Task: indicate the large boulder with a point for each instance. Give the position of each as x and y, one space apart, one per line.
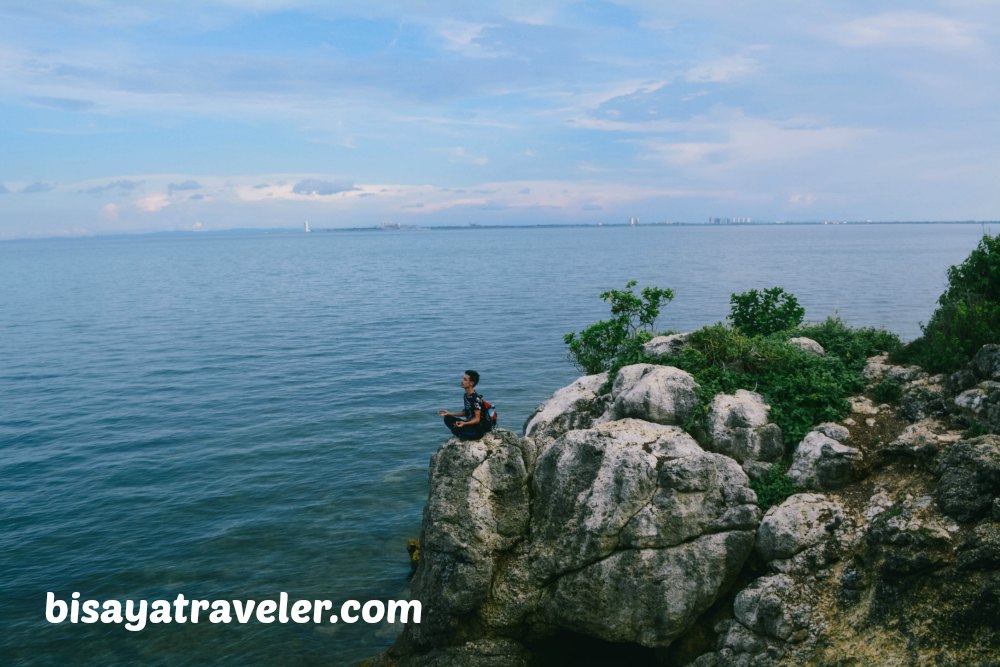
631 533
738 427
477 508
970 478
800 522
574 406
823 464
658 394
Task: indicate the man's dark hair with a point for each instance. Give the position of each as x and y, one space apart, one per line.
474 376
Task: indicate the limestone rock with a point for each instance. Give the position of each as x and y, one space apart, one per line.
821 463
924 397
908 539
921 441
878 368
981 405
801 521
658 394
767 607
808 345
738 427
986 363
477 508
970 478
632 532
572 407
666 345
862 405
648 596
835 431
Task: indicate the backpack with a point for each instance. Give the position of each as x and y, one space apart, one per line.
488 415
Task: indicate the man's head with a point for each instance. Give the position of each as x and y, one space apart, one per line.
472 377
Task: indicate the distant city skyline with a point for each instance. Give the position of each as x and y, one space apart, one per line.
120 117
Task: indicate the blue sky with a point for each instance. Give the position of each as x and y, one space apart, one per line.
211 114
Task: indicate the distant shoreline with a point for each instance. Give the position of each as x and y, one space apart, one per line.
286 231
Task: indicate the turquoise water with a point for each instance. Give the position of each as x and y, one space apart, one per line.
232 416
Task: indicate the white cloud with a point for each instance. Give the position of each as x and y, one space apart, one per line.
464 38
745 141
460 154
801 199
153 203
730 68
909 29
109 212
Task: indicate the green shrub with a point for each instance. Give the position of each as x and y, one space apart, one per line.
766 312
967 316
853 346
803 389
889 390
610 344
774 487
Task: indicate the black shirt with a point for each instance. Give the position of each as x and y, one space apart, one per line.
473 402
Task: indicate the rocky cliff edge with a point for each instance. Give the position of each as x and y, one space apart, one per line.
609 534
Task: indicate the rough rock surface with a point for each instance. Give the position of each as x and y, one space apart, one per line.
801 521
986 363
627 531
970 478
597 537
738 427
574 406
808 345
659 394
821 463
981 405
666 345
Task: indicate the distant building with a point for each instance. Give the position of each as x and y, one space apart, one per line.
633 221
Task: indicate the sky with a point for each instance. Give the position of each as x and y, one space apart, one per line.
125 117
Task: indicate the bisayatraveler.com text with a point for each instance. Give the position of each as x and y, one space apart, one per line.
136 614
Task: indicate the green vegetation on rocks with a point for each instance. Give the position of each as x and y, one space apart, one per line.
967 316
774 487
618 342
802 388
761 313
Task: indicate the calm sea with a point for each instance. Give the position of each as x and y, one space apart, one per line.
231 416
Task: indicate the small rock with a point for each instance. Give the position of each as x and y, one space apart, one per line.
822 463
835 431
862 405
808 345
667 345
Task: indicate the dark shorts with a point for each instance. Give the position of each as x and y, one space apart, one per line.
473 432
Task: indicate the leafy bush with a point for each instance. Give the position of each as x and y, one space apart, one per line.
853 346
889 390
803 389
764 313
610 344
774 487
967 316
